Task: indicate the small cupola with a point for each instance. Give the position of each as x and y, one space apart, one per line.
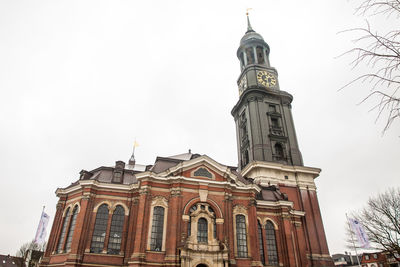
253 49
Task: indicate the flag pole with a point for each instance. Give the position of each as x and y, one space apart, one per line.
352 240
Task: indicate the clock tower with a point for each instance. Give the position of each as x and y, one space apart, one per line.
264 123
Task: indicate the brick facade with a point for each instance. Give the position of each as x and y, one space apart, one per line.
189 210
293 211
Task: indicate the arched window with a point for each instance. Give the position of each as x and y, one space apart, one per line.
250 55
241 60
271 244
71 228
117 224
241 236
202 230
261 242
279 151
100 228
157 229
63 231
260 55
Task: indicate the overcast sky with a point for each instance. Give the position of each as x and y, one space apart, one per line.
79 80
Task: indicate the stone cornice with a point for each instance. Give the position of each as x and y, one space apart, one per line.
281 167
280 203
98 185
196 181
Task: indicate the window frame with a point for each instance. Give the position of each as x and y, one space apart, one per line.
101 224
239 241
161 202
270 232
63 233
202 230
71 228
115 225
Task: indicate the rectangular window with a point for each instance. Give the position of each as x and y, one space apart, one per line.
275 122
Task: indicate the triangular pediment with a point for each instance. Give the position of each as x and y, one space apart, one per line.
204 168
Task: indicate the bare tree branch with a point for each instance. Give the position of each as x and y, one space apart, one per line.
381 53
381 221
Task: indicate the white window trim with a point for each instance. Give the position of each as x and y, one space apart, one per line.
161 202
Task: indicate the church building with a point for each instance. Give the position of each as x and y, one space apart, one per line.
189 210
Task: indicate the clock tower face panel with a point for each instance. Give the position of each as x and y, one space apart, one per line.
266 79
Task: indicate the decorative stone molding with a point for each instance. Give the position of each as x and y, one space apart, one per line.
135 200
228 197
71 207
159 201
219 221
126 209
108 203
203 193
144 191
239 209
176 192
297 224
265 220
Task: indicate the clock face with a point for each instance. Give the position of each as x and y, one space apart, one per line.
242 85
265 78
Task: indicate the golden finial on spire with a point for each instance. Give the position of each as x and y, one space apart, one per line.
249 28
247 10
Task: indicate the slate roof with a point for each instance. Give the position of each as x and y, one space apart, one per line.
105 174
271 193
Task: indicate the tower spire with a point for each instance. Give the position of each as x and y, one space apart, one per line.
249 28
132 159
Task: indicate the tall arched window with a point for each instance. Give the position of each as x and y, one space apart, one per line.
71 228
63 232
157 229
100 228
241 236
261 242
202 230
271 244
117 224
